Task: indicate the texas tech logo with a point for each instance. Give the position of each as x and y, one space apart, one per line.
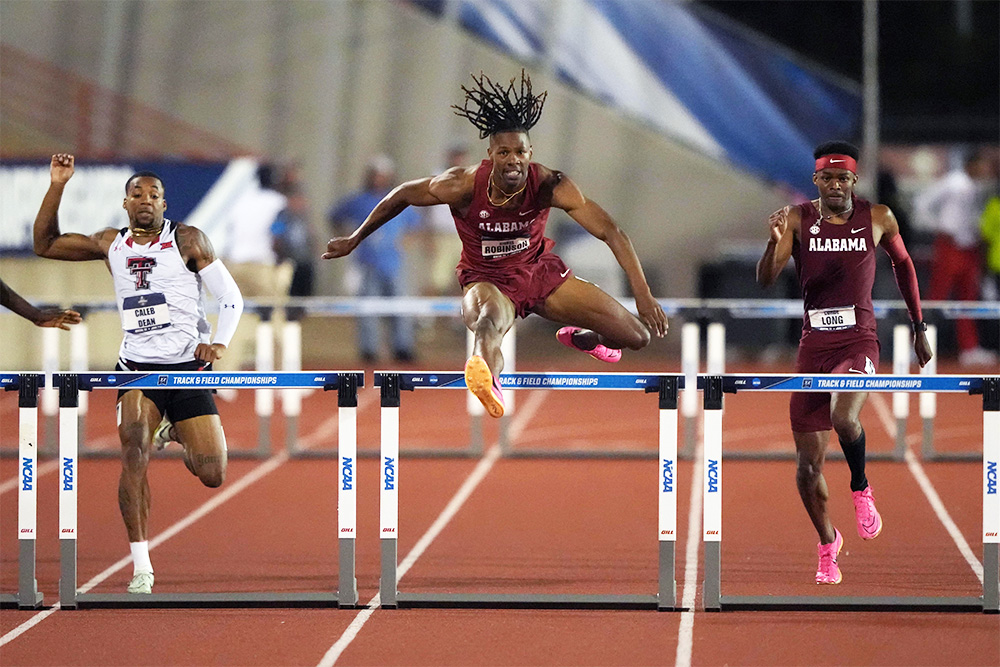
140 268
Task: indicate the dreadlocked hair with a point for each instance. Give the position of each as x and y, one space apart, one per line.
499 109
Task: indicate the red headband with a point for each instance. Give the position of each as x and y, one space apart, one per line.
836 161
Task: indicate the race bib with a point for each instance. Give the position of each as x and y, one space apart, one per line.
493 248
146 312
832 319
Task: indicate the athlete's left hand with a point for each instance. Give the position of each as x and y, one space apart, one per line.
922 348
652 315
209 353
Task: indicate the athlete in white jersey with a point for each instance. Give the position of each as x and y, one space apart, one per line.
158 268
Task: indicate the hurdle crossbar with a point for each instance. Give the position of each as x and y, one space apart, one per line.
26 385
393 383
715 386
345 383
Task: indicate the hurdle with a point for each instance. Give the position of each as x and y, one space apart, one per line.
345 383
26 385
715 386
714 309
391 385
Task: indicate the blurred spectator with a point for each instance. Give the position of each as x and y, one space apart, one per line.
249 254
888 194
378 262
443 243
990 228
293 239
991 286
952 206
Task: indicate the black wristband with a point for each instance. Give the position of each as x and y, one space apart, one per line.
919 326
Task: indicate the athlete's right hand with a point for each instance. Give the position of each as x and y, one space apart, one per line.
778 223
61 168
339 247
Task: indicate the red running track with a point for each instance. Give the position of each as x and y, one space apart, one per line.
560 526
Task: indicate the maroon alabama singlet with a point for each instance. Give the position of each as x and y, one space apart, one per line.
508 248
836 269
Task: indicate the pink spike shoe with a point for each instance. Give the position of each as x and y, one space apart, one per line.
869 520
600 352
484 385
828 572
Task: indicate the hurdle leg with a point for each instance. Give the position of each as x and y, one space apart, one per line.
667 484
264 398
928 400
712 494
347 501
991 497
388 490
50 396
69 411
79 362
690 361
27 495
291 399
900 399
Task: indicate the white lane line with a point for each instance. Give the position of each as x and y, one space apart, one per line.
685 633
917 470
524 414
322 432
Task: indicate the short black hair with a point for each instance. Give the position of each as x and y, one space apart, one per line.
142 174
836 148
501 109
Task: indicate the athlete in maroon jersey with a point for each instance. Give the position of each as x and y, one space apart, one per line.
833 241
507 268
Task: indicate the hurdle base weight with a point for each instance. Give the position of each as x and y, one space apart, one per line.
524 601
848 603
11 601
205 600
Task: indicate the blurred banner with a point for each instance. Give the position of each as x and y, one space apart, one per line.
93 198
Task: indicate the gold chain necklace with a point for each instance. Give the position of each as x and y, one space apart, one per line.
151 233
509 197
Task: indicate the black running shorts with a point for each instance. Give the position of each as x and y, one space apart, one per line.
176 404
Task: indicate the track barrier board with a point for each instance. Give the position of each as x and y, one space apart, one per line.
715 386
392 384
70 385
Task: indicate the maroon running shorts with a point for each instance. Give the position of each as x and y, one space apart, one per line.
526 286
810 411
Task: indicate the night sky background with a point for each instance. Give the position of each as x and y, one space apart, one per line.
939 60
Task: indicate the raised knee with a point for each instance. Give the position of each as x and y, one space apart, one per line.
213 478
640 338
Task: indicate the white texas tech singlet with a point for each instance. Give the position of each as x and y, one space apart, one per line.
159 299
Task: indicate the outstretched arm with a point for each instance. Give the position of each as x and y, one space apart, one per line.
906 277
50 317
783 224
567 196
48 241
448 188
